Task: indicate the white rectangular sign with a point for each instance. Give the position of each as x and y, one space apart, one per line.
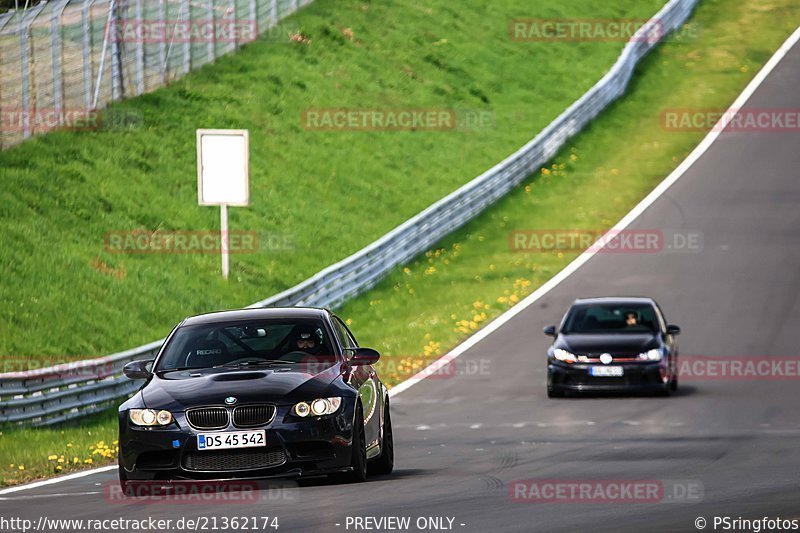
223 168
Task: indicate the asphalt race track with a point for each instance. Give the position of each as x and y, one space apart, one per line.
462 440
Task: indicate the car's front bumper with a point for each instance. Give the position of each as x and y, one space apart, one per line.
644 376
295 447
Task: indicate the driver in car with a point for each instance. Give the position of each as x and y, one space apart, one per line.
307 343
631 320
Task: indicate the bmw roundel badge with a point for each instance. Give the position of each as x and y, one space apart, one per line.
230 400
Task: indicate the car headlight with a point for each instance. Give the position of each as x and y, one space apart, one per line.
563 355
651 355
319 407
150 417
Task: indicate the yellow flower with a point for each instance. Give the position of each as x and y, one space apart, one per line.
11 465
88 461
546 171
22 467
69 445
52 457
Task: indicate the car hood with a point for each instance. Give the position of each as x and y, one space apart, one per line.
182 389
615 344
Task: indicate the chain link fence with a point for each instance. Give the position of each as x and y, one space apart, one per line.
62 60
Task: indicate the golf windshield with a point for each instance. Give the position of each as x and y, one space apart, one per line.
611 318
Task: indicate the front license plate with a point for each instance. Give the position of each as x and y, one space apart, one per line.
606 371
233 439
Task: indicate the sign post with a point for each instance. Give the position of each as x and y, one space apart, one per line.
223 177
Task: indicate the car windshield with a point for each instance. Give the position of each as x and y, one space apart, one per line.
611 318
248 343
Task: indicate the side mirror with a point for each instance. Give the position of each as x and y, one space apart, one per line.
137 370
550 330
364 356
672 329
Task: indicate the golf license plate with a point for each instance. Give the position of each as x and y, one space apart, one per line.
606 371
233 439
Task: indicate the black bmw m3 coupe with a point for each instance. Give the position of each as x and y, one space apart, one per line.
256 393
612 344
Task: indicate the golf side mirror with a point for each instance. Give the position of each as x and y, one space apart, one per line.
672 329
550 330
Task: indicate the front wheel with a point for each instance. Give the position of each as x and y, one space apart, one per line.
385 463
358 460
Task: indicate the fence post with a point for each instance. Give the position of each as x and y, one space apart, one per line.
87 53
212 41
187 44
56 50
139 49
162 45
25 59
117 76
254 16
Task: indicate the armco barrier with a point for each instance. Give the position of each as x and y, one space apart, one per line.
47 396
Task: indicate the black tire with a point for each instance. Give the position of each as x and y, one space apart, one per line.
673 385
384 464
554 393
358 460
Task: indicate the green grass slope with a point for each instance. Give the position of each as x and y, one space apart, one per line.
63 296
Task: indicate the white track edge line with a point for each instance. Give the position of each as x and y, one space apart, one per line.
53 481
552 282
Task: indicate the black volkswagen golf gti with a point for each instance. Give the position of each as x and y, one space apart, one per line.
612 344
256 393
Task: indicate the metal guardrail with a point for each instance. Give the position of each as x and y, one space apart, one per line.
61 60
56 394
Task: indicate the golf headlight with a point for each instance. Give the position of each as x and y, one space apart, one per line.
651 355
319 407
150 417
563 355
